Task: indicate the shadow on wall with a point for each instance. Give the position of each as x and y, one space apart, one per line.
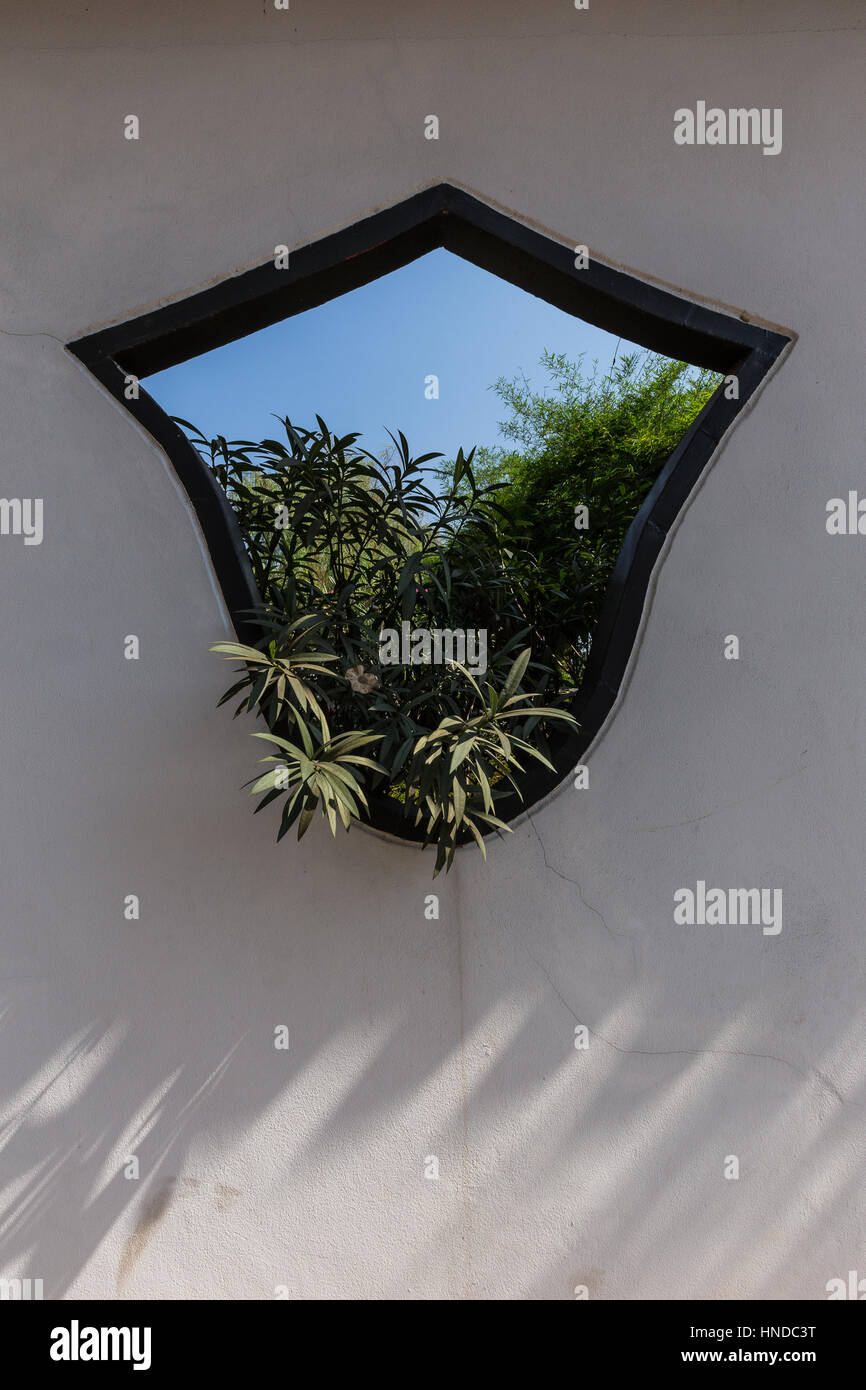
155 1038
559 1167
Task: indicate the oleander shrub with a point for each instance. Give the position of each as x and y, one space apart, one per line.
360 561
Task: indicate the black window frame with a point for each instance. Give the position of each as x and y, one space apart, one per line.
449 217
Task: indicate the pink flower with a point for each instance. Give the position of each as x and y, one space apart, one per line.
362 679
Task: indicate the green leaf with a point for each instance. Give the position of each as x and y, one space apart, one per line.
517 672
462 751
459 800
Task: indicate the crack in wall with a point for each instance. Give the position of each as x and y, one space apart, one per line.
566 879
10 333
725 806
440 36
464 1102
811 1074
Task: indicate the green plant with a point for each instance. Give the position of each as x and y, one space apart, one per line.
587 440
345 545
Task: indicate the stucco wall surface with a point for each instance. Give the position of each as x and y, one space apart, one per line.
559 1167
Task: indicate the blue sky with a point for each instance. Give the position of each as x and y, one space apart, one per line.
361 361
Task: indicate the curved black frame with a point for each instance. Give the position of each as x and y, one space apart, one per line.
448 217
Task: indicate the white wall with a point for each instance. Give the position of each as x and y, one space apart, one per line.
558 1167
